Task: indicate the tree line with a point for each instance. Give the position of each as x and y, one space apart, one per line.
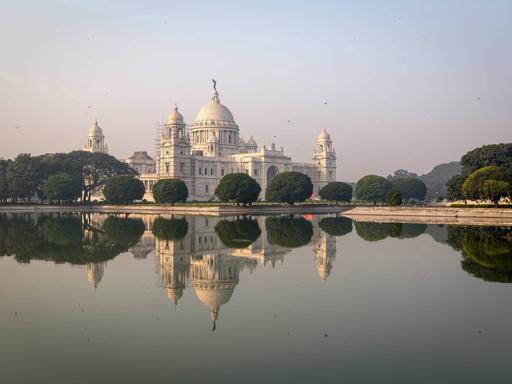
58 177
486 175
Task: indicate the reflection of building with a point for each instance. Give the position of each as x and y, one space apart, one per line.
202 261
95 272
325 253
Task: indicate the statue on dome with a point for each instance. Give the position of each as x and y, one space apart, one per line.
214 84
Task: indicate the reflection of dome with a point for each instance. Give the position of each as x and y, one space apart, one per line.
324 135
95 129
214 111
323 273
214 296
175 294
175 116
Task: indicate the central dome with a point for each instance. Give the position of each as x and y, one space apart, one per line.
215 111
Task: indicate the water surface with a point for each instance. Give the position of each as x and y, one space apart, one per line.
142 298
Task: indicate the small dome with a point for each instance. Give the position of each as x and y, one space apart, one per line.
215 112
324 135
175 294
95 129
252 142
175 116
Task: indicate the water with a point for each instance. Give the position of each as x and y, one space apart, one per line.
315 299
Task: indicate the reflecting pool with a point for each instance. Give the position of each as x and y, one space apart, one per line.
159 299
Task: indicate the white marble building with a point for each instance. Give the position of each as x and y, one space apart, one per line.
202 152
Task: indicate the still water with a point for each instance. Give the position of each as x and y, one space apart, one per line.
148 299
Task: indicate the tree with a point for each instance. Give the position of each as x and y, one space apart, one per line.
454 187
473 187
123 189
394 198
238 188
170 229
336 191
239 233
22 177
336 226
410 188
4 185
495 190
499 155
288 232
170 191
62 187
372 188
289 187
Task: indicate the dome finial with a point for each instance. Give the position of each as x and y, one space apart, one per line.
215 94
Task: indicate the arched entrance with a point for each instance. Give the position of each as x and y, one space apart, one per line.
271 172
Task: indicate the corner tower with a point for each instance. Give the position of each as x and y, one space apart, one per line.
175 160
325 160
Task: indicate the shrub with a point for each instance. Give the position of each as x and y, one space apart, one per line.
410 188
336 191
170 191
123 189
238 188
289 187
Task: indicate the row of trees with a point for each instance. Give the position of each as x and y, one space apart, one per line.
486 175
62 177
378 189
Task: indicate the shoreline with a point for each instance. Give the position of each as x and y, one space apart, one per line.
432 215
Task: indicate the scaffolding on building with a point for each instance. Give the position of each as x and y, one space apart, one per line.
158 137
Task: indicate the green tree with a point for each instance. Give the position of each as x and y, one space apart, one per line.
473 187
336 226
239 233
494 190
394 198
288 232
123 189
499 155
238 188
4 185
22 177
372 188
336 191
170 191
410 188
454 187
289 187
170 229
62 187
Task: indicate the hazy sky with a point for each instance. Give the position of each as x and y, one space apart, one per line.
408 84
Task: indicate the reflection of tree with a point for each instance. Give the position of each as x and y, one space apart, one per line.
288 232
371 231
239 233
65 239
379 231
336 226
170 229
487 251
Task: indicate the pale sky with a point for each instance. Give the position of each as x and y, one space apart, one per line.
408 84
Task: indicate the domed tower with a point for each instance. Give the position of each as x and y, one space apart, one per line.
174 160
95 139
325 160
217 118
214 278
174 266
251 145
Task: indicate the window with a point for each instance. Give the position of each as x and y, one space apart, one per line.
246 171
205 171
211 171
222 172
167 168
200 171
206 188
255 172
